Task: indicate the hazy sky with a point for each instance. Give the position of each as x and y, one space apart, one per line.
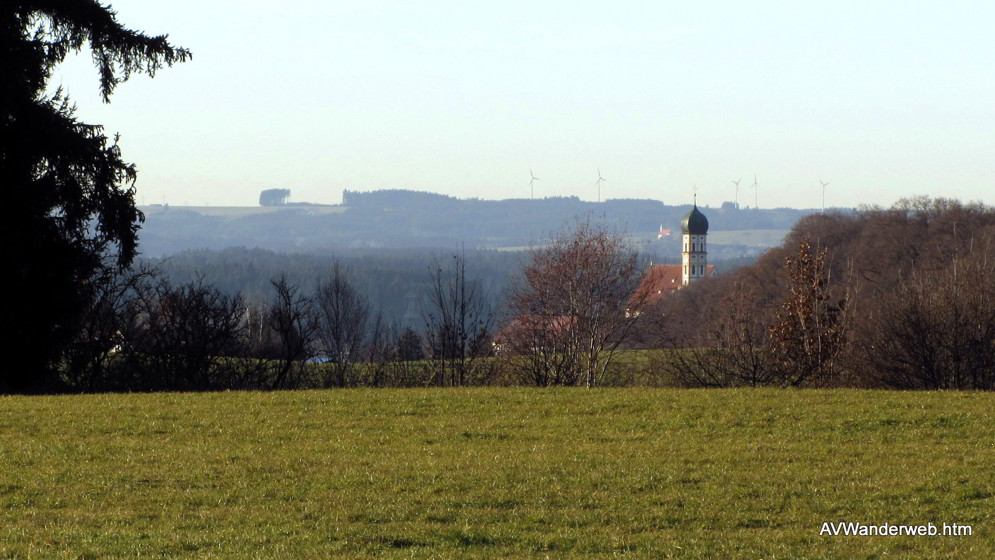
880 99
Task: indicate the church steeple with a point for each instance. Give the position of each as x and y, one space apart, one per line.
694 257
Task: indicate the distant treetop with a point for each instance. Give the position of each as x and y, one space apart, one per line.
274 197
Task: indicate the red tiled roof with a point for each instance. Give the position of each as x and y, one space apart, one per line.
661 279
525 325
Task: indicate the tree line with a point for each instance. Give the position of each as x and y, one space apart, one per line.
143 331
899 298
896 298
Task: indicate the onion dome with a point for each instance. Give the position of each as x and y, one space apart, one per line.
694 222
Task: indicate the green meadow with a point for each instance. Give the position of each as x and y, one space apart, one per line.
486 473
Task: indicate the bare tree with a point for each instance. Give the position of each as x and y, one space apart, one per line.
380 351
730 349
89 356
810 330
458 321
183 338
343 314
575 304
936 331
292 320
406 366
539 345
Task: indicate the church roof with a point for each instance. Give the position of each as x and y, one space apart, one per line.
694 222
660 280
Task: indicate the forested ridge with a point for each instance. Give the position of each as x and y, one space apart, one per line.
406 219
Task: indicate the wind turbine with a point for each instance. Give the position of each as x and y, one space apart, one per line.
756 204
823 196
531 182
598 183
736 182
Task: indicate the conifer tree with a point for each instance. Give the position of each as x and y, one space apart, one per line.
70 206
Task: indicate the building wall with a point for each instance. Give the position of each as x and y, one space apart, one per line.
694 257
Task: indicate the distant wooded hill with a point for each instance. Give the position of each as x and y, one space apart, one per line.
395 280
403 219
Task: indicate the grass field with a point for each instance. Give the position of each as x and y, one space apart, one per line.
484 473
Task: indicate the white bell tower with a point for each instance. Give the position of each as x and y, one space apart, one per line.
694 255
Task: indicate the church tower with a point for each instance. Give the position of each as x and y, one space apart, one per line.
694 257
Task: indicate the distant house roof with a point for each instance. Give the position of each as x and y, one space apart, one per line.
525 325
531 333
662 279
